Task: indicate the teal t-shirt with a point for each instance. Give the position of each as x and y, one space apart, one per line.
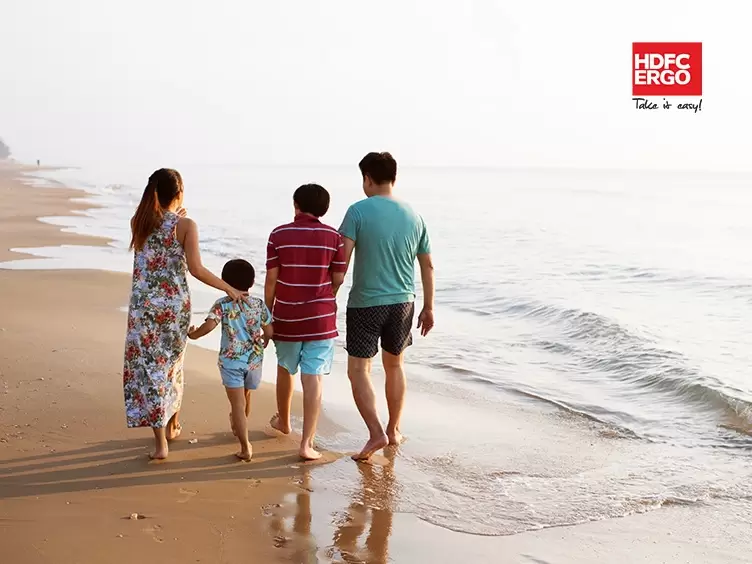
388 237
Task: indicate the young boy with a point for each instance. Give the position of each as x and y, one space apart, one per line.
305 267
246 329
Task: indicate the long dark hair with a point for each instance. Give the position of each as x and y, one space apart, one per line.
164 186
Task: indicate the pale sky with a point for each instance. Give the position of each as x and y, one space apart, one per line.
494 83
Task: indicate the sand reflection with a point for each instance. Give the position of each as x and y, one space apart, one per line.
360 532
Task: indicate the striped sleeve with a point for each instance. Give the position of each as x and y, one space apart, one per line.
272 256
339 264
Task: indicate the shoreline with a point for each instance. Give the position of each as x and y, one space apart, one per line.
71 473
70 470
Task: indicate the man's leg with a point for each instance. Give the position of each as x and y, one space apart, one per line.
363 330
395 393
359 372
396 336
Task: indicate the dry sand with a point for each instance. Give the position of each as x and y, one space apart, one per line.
71 474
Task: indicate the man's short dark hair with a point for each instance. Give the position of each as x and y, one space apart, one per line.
239 274
379 167
313 199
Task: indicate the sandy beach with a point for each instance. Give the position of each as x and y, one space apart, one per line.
71 474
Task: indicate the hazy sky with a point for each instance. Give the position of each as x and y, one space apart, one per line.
534 83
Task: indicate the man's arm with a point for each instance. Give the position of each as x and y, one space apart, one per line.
425 319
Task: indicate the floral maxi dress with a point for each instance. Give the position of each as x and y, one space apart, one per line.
158 319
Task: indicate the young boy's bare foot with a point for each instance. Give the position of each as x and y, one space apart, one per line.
372 446
307 452
245 454
277 425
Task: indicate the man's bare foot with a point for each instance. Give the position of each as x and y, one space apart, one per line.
277 425
395 438
371 446
245 455
159 454
307 452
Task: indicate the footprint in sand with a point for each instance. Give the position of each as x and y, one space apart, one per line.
153 531
188 495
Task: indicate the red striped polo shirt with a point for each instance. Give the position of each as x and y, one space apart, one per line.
306 252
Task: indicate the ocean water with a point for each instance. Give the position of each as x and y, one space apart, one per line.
592 346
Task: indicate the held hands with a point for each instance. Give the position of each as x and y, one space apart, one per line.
425 321
192 332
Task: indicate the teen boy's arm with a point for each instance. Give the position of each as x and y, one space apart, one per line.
338 267
272 272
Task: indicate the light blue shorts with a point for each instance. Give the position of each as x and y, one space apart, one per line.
240 377
311 357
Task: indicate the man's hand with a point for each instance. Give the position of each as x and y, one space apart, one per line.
425 321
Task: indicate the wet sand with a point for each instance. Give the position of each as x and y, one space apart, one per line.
71 474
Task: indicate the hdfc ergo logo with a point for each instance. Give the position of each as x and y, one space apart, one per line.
666 69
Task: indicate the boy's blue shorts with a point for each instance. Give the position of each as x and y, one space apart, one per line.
240 377
311 357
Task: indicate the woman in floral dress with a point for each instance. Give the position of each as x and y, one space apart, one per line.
166 246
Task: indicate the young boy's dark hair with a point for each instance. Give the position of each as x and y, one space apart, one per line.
379 167
239 274
313 199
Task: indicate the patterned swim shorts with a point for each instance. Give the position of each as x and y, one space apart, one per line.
390 323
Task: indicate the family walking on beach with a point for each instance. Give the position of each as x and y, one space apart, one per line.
306 265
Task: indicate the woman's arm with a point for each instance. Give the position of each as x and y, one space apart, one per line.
187 233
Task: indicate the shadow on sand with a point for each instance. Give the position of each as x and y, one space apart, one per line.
123 463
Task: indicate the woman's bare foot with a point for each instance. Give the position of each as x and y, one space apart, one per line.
232 427
174 433
395 437
307 452
277 425
245 454
372 446
159 454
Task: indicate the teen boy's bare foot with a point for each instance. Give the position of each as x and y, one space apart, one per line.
277 425
307 452
371 447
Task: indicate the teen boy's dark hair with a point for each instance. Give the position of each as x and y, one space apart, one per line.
239 274
313 199
380 167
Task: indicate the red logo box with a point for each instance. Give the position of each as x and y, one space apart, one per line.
666 69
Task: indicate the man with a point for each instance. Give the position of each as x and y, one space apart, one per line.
387 236
305 267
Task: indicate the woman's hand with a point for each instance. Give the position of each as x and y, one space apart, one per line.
182 212
236 295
